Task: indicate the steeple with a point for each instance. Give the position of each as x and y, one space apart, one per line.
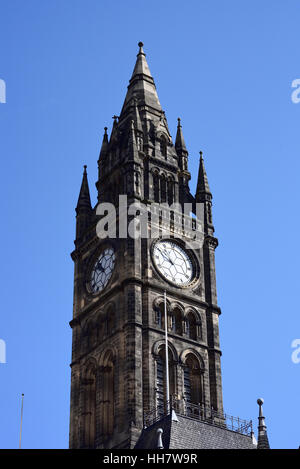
141 85
84 200
124 282
203 190
262 441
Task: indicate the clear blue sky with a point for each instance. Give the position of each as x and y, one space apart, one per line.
226 69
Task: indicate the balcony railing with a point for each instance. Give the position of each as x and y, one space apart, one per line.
200 412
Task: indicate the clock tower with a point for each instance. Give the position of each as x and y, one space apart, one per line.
160 244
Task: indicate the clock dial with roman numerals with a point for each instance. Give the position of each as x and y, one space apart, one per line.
173 262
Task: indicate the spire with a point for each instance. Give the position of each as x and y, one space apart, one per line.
180 143
141 66
141 84
262 441
114 127
84 200
202 184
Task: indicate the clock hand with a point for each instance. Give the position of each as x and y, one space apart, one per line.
169 258
100 267
163 254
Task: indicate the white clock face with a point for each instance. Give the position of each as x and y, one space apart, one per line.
173 262
102 271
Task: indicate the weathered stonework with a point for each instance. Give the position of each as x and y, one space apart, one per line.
117 338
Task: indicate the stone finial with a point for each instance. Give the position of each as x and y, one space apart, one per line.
159 438
261 418
141 51
262 441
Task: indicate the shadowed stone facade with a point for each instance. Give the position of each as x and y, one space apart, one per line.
118 332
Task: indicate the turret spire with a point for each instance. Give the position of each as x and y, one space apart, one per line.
180 143
104 145
262 441
204 196
84 200
203 189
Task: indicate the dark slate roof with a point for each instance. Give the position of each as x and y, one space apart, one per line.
188 433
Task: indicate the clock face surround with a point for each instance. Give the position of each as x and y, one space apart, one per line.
173 262
102 271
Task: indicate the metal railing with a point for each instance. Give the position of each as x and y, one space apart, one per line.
200 412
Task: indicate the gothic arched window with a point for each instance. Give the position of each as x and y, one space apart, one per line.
100 329
163 146
191 326
110 320
176 321
161 379
160 315
107 410
156 187
193 386
170 191
89 407
89 336
163 189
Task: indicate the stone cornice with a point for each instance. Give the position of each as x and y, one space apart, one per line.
163 164
180 295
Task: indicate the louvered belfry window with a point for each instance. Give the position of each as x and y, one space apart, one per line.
192 381
161 380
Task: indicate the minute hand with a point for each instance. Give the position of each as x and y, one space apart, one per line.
164 254
169 258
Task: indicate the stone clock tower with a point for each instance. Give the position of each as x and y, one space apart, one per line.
118 348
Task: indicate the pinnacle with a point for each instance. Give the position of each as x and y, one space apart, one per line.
84 200
202 184
179 142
